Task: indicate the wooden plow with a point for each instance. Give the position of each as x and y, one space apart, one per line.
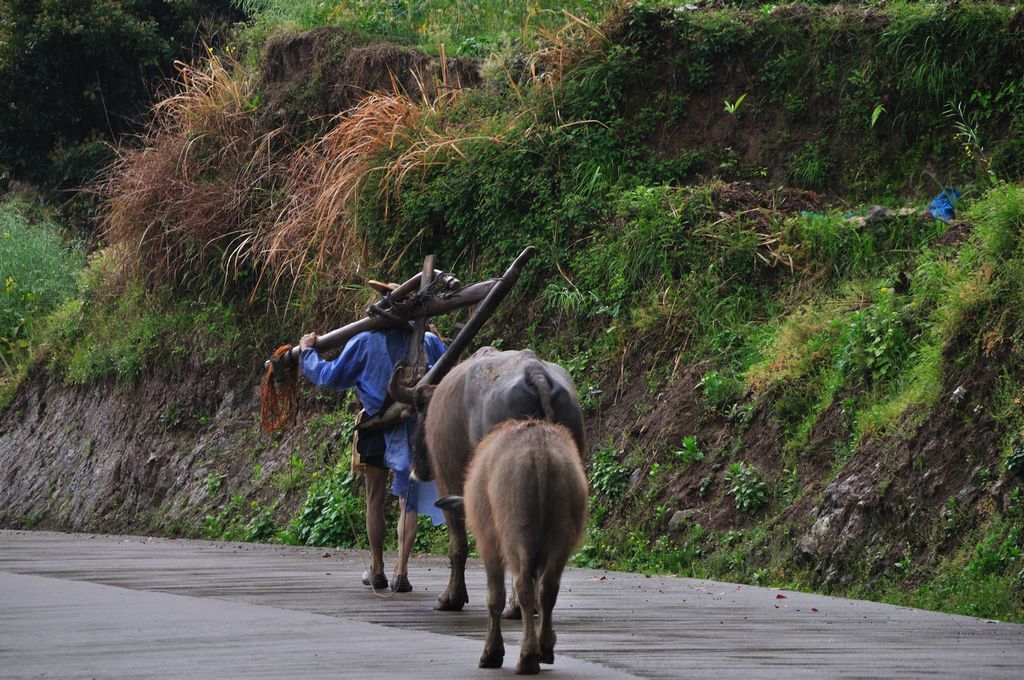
425 295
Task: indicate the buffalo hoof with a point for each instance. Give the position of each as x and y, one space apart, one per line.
446 603
529 664
512 613
492 660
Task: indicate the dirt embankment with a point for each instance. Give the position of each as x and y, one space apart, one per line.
911 494
326 71
162 453
154 456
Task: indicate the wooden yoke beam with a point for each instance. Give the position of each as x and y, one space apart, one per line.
396 412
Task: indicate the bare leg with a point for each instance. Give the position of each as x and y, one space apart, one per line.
376 479
407 525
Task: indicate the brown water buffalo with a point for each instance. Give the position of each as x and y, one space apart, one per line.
526 503
480 393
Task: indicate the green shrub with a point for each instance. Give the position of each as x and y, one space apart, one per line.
747 488
607 476
239 520
689 452
876 342
999 220
37 272
332 514
720 389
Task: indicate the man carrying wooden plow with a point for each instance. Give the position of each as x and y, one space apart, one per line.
392 339
366 364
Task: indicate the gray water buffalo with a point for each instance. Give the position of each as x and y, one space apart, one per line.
526 503
480 393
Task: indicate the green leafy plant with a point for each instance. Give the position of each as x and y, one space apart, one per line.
701 73
876 113
332 514
37 273
733 108
689 452
580 367
706 486
1014 463
747 488
607 476
213 481
291 477
876 342
721 389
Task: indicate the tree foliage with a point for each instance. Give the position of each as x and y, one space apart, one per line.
74 71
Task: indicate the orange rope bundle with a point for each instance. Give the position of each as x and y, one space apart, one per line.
280 401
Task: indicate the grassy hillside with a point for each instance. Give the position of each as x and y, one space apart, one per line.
793 374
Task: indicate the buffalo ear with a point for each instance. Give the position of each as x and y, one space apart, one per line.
422 396
451 503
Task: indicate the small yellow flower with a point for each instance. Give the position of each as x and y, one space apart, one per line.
9 284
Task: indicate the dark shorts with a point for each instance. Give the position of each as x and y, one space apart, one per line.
371 446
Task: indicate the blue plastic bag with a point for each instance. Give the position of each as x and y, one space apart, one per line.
943 206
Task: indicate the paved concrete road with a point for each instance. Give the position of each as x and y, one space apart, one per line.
80 606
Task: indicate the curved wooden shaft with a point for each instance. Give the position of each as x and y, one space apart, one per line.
337 338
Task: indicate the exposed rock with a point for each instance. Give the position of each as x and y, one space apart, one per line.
120 458
681 519
635 477
843 518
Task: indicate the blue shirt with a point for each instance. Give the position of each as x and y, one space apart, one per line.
366 363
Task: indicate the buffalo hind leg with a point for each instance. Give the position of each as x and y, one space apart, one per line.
529 655
455 597
494 648
513 611
549 584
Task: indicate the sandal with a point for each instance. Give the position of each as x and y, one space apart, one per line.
401 584
378 581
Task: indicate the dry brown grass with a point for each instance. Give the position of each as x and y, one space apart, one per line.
189 197
208 190
318 230
563 48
